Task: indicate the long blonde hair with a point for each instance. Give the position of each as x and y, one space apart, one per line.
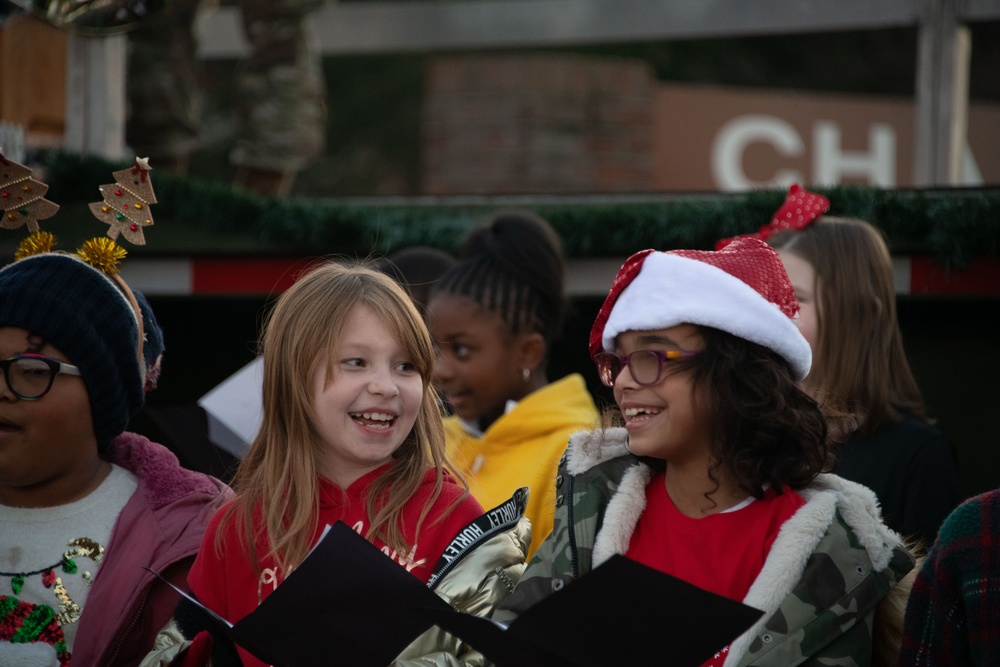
277 481
860 375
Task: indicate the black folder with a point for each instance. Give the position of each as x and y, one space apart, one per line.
350 604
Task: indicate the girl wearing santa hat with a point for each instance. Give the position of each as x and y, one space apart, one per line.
717 473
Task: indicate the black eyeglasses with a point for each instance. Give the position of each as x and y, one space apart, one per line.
646 366
30 376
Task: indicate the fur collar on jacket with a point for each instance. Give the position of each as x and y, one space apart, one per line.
159 472
796 541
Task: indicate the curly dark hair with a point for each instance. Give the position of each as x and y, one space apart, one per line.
765 429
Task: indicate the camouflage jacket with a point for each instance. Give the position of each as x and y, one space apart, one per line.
837 540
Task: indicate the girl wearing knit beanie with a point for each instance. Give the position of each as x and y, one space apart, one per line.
84 506
351 432
716 474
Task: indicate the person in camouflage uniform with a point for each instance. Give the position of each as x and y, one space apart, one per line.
162 88
281 97
282 100
829 583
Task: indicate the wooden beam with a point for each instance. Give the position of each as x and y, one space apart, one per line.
944 48
95 96
428 25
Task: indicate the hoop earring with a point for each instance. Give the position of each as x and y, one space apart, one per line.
526 374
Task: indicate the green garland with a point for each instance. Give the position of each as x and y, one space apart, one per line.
196 217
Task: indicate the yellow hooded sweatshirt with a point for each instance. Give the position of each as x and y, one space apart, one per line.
523 448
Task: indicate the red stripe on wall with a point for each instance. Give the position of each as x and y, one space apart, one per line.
927 276
246 276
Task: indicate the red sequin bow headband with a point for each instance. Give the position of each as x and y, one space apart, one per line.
801 207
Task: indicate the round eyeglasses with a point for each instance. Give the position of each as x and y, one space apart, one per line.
646 366
30 376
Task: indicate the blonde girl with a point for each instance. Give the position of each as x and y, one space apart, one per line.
351 431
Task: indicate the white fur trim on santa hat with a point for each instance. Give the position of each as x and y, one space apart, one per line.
672 290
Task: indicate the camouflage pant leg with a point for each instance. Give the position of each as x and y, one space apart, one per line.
282 92
163 92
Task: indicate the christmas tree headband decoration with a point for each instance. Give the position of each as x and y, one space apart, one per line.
800 208
126 203
22 197
125 209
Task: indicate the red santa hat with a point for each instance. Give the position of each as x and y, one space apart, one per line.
742 289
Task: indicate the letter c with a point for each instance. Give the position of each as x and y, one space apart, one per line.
731 143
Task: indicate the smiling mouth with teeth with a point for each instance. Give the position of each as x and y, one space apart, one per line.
374 419
636 414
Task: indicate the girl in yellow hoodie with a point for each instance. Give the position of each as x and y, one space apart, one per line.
493 317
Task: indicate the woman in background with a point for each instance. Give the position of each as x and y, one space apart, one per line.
842 274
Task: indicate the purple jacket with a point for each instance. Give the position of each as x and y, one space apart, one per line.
161 528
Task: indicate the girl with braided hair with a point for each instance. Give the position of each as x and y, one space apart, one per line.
494 317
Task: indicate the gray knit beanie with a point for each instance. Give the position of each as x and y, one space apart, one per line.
84 314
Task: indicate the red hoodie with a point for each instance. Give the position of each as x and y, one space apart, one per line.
230 587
